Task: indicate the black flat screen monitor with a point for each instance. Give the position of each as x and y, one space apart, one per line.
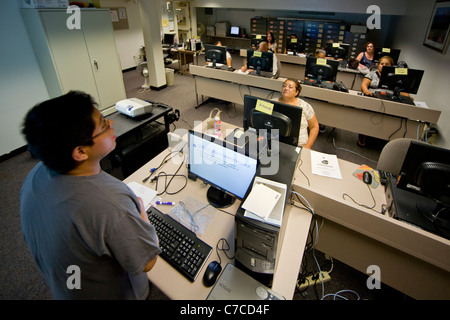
229 172
260 61
256 39
266 114
400 79
337 50
381 52
169 39
215 54
295 46
321 69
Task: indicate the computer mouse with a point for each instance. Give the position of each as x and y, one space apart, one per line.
367 177
211 273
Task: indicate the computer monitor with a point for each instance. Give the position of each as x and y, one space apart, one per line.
321 69
400 80
337 50
294 45
256 39
260 61
267 114
381 52
234 31
169 39
229 172
215 54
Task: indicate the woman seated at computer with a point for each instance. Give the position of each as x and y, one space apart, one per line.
366 58
218 43
370 85
271 42
289 95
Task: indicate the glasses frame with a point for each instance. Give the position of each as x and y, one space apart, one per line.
104 130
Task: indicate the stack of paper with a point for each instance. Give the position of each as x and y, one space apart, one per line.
261 200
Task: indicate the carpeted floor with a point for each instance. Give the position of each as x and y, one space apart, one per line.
21 279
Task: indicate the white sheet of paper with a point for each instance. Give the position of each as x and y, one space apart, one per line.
324 164
261 200
147 194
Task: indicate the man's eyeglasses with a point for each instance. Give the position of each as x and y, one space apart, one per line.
106 123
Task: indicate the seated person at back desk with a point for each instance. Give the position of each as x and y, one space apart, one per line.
371 81
218 43
366 58
289 94
320 53
263 47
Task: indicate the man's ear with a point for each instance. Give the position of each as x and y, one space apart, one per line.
79 154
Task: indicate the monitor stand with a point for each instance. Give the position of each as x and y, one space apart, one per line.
218 198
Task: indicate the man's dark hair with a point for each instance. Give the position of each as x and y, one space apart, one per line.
54 128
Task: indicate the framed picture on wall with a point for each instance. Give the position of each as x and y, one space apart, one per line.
437 36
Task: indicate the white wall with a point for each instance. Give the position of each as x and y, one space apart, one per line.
128 41
434 88
21 83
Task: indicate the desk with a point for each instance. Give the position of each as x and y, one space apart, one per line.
370 116
411 260
294 67
292 237
185 57
232 43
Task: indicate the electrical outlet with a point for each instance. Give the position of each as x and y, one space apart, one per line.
311 280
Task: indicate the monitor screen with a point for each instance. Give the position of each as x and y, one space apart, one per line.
400 79
215 54
260 61
229 172
381 52
337 50
234 31
169 38
256 39
294 45
285 118
321 69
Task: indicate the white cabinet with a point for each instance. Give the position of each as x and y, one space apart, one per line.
83 59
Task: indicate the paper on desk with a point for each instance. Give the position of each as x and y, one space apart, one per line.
261 200
421 104
145 193
324 164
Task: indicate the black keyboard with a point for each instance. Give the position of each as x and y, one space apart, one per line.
180 247
391 97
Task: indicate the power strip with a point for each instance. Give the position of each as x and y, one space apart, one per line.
314 279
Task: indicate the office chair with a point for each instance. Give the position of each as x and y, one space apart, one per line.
392 156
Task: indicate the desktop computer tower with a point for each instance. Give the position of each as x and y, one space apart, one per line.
256 247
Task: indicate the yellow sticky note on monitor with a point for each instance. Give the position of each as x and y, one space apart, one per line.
335 45
258 36
257 53
293 40
401 71
264 106
321 61
386 50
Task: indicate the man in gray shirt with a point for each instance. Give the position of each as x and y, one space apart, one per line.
87 231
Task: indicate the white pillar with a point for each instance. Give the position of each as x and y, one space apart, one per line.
151 22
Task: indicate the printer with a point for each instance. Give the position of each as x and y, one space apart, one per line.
134 107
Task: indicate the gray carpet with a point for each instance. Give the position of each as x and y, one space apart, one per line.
20 278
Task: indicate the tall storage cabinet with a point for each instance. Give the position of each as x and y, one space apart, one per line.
83 59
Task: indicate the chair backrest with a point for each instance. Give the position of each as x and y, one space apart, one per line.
392 156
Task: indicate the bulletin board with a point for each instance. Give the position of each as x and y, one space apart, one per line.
119 18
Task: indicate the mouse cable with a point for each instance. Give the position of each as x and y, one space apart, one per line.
223 241
163 162
363 205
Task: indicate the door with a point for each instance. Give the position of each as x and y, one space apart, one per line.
104 61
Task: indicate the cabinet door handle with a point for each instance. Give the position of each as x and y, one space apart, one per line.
96 64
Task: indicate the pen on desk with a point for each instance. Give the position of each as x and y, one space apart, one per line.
170 203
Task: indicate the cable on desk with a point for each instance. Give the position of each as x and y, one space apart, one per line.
363 205
300 164
223 241
163 162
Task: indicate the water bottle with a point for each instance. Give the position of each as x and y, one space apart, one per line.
217 124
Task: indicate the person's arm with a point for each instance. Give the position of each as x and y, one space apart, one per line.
151 264
144 217
365 86
313 126
359 57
